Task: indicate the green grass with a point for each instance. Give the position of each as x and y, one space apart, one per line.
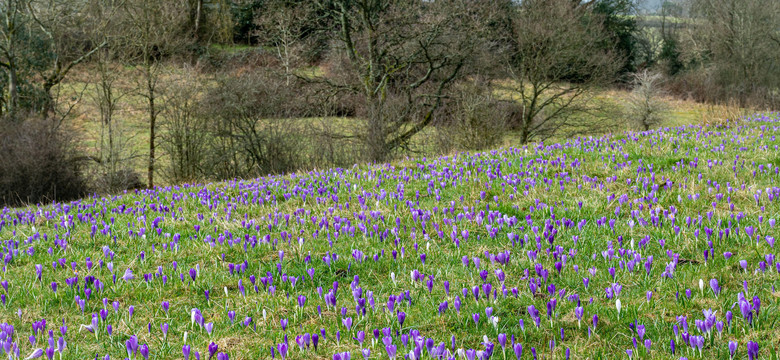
536 182
131 118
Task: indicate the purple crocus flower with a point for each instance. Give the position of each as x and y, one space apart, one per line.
534 314
401 318
144 350
213 347
518 348
391 351
752 350
502 340
128 275
732 348
347 322
282 348
715 287
35 354
131 345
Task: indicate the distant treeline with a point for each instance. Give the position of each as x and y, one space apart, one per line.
237 88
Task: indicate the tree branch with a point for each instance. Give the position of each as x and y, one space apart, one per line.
60 72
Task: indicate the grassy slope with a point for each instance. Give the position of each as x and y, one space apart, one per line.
671 174
131 118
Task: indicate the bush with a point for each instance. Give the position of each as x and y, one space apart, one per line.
38 164
184 136
703 85
475 120
113 182
645 106
725 114
255 126
696 85
237 60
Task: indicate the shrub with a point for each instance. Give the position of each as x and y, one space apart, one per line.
645 106
39 163
474 120
723 115
117 181
184 136
254 126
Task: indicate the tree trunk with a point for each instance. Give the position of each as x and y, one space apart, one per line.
152 125
375 133
198 12
48 102
525 125
523 134
13 91
111 157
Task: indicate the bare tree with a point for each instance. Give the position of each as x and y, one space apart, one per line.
42 41
559 59
115 154
64 24
185 136
196 16
13 23
740 40
645 106
673 21
649 44
154 31
475 118
399 59
256 123
283 26
107 98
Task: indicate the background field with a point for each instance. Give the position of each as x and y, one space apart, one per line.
132 124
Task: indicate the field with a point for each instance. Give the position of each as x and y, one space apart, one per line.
132 132
654 244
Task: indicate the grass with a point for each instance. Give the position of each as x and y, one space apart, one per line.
588 207
232 49
131 116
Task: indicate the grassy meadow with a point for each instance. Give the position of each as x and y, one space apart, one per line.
655 244
80 93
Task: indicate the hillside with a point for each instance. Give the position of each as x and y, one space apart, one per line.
655 244
131 133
